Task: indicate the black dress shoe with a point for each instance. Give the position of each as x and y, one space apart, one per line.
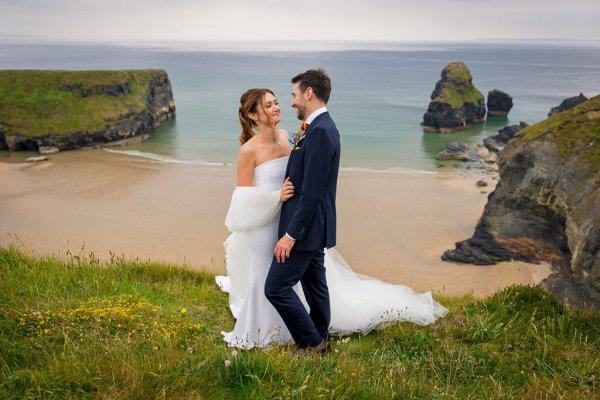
320 348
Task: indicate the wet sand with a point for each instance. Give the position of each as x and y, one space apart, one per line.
391 226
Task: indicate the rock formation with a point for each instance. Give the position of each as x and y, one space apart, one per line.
462 152
94 108
455 103
498 103
3 145
546 206
497 142
459 152
567 104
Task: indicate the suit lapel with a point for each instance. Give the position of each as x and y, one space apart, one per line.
310 126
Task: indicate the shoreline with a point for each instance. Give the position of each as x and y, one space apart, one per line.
391 226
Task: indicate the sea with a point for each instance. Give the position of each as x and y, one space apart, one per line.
380 90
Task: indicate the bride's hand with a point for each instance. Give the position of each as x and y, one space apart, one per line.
287 191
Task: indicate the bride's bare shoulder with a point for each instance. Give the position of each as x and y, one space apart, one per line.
284 135
247 152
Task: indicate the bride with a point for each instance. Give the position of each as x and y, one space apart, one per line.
358 303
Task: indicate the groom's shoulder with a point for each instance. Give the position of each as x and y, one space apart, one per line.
325 120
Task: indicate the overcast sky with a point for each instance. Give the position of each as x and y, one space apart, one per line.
356 20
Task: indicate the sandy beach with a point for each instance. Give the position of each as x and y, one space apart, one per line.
392 226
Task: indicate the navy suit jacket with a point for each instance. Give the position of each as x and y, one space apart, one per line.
310 216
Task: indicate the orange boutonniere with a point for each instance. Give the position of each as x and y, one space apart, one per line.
299 135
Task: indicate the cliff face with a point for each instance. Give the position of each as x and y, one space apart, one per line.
455 103
546 206
50 111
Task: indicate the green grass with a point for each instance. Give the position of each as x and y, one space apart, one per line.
576 131
458 72
457 99
35 103
463 90
78 328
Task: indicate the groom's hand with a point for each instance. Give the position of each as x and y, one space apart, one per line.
283 248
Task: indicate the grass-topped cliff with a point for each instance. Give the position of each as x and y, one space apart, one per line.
69 109
77 328
546 206
576 131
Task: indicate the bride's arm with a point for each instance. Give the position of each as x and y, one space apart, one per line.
250 207
245 167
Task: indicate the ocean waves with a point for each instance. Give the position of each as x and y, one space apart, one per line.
171 160
165 159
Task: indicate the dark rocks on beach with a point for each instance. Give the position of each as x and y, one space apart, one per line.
567 104
486 155
459 152
497 142
546 206
462 152
498 103
48 150
455 103
3 145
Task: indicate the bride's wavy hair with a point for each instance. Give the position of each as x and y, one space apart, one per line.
249 103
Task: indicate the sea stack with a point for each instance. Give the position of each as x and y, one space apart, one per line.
50 111
546 206
455 103
498 103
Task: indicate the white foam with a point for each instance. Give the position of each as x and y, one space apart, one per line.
171 160
165 159
392 170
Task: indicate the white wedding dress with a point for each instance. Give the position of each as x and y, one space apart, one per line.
358 303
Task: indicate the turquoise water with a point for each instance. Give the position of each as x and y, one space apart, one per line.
379 92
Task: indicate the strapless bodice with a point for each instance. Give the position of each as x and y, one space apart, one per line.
270 175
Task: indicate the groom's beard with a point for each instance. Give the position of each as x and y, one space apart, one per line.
301 114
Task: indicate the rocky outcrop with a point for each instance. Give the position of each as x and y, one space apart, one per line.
143 100
568 104
462 152
3 145
498 103
496 143
546 205
455 103
459 152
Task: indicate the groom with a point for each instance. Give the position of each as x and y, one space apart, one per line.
307 223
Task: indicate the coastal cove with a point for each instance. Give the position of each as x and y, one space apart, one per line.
381 90
98 202
109 256
399 209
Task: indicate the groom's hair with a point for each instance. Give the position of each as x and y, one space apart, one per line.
318 80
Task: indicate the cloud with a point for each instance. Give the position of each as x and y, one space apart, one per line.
114 20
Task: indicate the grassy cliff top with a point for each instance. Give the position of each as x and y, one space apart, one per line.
457 72
458 88
576 131
36 103
121 330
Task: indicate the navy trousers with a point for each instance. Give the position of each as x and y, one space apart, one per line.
308 268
